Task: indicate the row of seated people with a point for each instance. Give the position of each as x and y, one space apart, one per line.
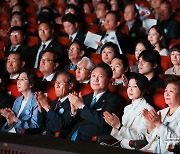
94 111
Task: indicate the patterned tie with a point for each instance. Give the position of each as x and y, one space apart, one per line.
58 104
73 67
71 39
41 53
93 101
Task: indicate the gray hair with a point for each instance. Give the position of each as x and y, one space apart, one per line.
90 63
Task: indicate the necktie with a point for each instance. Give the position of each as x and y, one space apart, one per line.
40 53
58 104
13 48
73 67
44 79
70 39
99 26
93 101
74 136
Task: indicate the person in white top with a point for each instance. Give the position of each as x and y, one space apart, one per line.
156 37
133 125
164 126
175 60
23 114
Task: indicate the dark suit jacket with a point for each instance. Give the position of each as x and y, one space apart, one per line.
55 120
5 101
90 121
79 37
53 46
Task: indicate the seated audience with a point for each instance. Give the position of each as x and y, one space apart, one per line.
23 114
47 42
170 27
163 126
111 23
149 64
140 45
157 39
75 53
84 69
155 5
175 60
88 110
55 116
71 27
133 126
48 66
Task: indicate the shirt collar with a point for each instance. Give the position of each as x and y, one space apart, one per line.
137 102
73 35
98 95
50 77
14 77
47 43
63 99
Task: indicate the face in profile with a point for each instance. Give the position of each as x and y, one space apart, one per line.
133 90
23 83
144 67
117 68
139 48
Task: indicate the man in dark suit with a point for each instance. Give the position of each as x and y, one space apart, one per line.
45 31
55 116
17 38
48 66
71 27
88 111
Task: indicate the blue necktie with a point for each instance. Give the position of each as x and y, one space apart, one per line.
93 102
74 136
73 67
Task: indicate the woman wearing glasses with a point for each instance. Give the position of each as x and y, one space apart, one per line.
23 114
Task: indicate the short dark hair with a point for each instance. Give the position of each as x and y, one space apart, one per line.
72 18
145 42
116 14
19 14
21 57
17 28
55 55
111 45
81 45
72 6
175 48
106 68
34 81
46 22
124 60
153 57
141 81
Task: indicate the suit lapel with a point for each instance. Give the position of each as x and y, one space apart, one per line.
17 106
27 107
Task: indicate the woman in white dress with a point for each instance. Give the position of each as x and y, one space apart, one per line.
164 126
133 125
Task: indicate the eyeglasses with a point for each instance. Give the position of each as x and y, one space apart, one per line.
73 49
22 79
61 82
15 19
46 60
14 34
81 69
